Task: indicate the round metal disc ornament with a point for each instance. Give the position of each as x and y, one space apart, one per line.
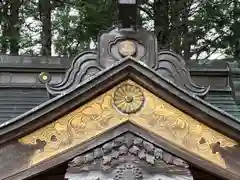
44 77
127 48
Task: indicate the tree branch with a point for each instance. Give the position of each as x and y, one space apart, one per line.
146 11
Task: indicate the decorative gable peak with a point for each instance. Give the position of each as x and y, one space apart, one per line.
127 42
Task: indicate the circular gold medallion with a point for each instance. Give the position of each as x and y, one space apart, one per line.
44 77
127 48
128 98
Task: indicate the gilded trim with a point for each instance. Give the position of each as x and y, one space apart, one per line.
155 115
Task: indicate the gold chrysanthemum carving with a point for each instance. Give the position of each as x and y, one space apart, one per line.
128 98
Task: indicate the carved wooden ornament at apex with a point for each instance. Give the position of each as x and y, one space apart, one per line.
130 102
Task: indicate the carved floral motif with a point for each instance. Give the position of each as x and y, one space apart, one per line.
128 98
128 157
175 126
75 128
156 116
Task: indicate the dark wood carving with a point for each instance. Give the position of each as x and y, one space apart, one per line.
144 41
128 157
119 44
172 66
84 66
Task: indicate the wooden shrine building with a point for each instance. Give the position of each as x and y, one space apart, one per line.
123 112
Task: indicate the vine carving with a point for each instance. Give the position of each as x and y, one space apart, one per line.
128 157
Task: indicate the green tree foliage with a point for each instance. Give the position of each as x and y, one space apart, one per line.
194 28
10 26
77 24
216 27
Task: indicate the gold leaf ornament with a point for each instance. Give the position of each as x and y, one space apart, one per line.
128 98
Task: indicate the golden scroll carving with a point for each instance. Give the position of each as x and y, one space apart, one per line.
75 128
128 102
